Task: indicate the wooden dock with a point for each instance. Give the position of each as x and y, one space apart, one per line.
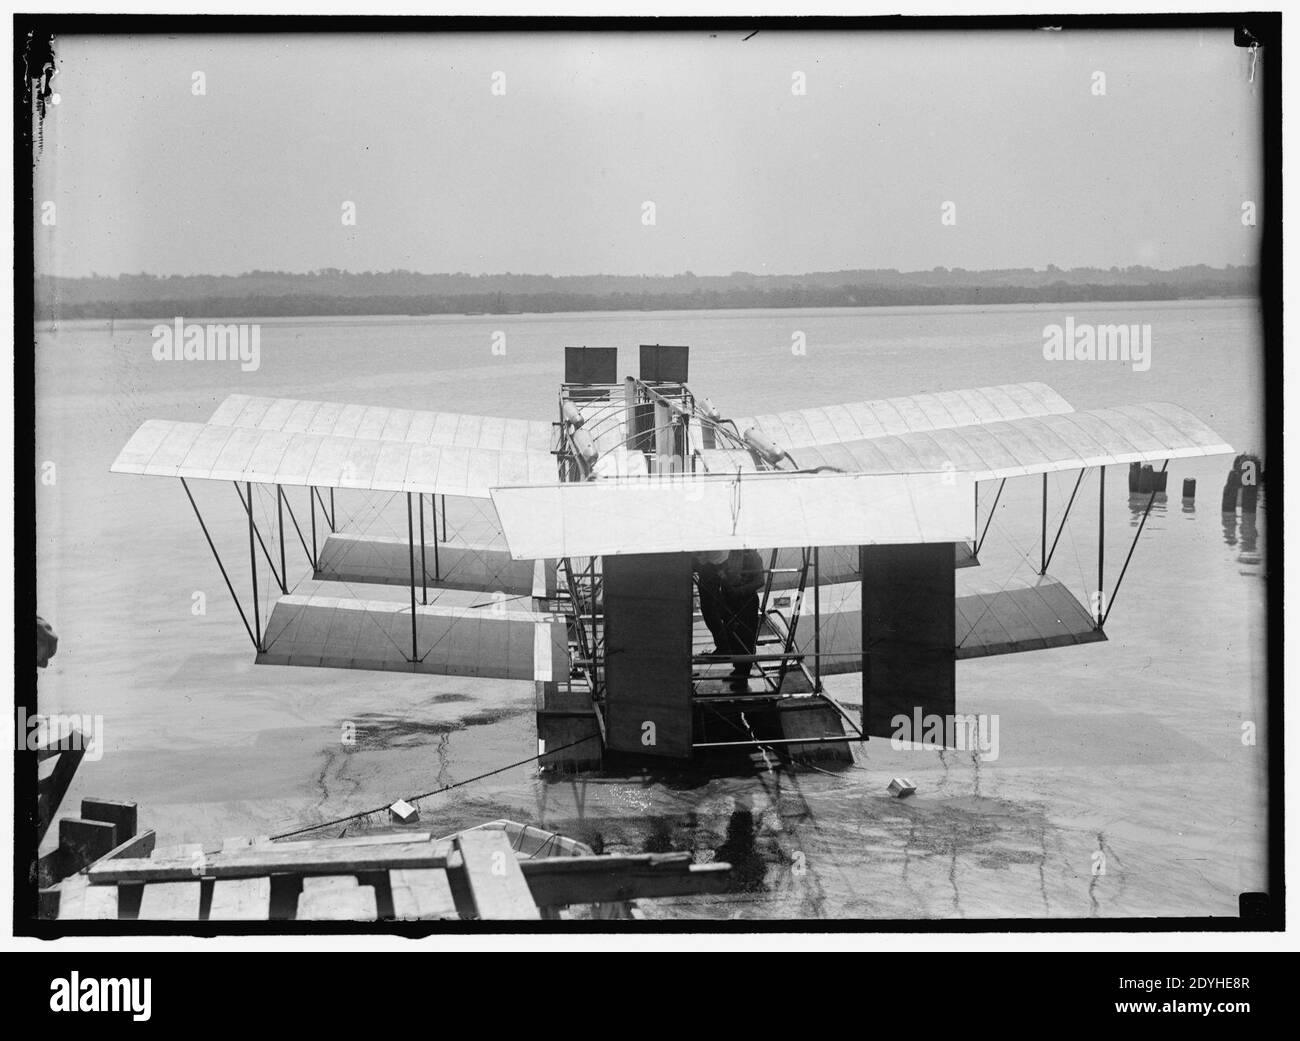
498 872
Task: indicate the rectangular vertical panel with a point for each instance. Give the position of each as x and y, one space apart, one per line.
588 365
648 604
908 621
661 363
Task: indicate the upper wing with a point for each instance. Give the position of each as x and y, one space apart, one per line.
163 448
860 420
762 511
1013 448
332 418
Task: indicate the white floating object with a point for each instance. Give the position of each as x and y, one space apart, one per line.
403 812
901 788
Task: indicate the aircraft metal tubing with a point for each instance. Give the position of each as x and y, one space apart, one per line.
1132 546
988 522
1101 547
410 532
265 552
279 513
1064 518
293 517
1043 541
252 560
217 556
424 568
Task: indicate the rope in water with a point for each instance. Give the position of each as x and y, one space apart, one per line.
426 795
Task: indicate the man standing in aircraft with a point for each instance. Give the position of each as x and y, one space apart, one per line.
712 606
729 585
742 577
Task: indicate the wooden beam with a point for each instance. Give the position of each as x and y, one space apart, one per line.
267 860
241 900
336 898
52 866
77 900
52 788
82 842
422 894
141 845
69 738
558 881
170 902
47 902
123 814
500 891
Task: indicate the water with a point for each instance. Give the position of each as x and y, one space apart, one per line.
1123 786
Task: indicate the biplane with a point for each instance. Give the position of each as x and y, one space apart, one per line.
595 525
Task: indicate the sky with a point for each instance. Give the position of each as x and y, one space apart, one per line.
536 153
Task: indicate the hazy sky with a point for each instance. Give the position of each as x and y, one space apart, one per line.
744 173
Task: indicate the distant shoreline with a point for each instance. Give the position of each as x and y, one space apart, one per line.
337 293
259 316
91 299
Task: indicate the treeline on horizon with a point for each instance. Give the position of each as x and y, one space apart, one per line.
333 292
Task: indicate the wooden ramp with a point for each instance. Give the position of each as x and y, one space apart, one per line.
501 871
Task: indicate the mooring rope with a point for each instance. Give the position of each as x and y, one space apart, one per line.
426 795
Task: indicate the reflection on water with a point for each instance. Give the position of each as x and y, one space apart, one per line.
1137 506
748 868
1230 528
1242 531
1249 541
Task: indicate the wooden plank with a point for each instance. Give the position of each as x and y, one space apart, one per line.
51 789
557 881
336 899
241 900
80 901
190 855
55 865
47 903
101 903
267 860
422 894
69 738
141 845
181 851
170 902
329 883
83 841
500 891
71 897
123 814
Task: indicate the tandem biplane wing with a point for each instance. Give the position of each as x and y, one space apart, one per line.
584 572
1145 433
861 420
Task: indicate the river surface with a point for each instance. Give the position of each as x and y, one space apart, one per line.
1126 782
